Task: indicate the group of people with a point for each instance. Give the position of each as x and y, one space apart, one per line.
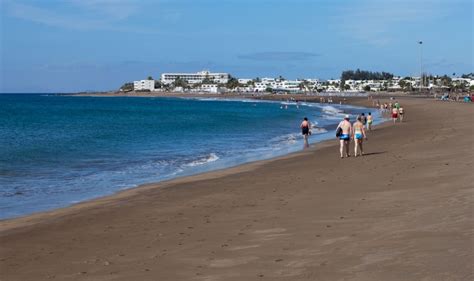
396 111
357 131
345 132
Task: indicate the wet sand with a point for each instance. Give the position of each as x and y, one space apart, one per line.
402 212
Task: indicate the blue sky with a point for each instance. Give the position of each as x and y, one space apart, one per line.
76 45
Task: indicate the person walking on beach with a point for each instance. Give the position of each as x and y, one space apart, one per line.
363 118
370 119
358 135
397 104
401 113
394 114
345 136
305 131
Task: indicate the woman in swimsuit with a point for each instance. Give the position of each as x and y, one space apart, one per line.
369 121
401 113
394 114
305 131
358 135
345 137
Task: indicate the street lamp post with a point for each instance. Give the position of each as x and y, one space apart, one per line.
421 64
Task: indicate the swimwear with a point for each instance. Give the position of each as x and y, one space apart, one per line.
370 121
358 136
345 137
305 130
394 115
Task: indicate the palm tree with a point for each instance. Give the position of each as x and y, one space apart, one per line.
232 83
179 82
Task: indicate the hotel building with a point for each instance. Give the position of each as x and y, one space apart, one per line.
192 78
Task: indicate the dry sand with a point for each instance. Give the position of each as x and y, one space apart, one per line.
402 212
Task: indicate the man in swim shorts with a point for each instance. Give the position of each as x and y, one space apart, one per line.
358 135
305 131
345 137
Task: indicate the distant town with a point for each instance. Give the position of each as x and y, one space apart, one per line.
350 82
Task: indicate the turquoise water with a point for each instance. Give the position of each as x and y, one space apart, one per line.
59 150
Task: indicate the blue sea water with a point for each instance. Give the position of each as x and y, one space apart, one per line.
59 150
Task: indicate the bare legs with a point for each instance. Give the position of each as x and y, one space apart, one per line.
306 144
344 146
357 145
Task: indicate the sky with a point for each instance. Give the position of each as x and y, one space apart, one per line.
97 45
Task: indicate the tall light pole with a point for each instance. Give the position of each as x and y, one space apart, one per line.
421 64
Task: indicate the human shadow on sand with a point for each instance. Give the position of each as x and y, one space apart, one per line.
374 153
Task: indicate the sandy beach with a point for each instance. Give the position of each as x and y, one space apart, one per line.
402 212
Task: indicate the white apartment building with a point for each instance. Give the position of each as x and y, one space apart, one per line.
209 88
192 78
260 87
144 85
277 85
314 81
334 81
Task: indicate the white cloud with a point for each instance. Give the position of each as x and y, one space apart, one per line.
108 15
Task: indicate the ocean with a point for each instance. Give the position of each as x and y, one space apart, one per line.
59 150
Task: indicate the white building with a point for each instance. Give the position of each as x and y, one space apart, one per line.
144 85
334 81
244 81
268 80
192 78
260 87
278 85
209 88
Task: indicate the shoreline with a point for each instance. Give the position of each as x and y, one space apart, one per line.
403 215
38 217
359 102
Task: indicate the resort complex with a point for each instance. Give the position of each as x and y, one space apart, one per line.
350 82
